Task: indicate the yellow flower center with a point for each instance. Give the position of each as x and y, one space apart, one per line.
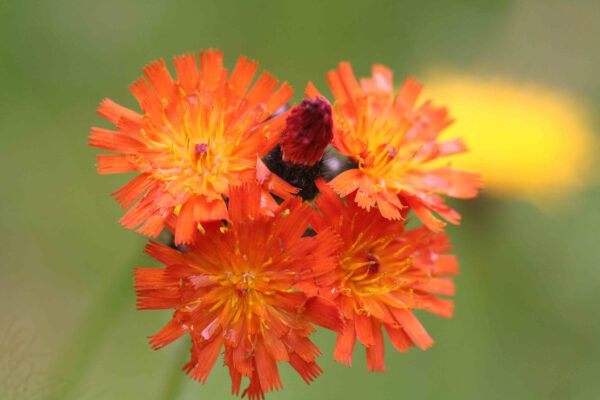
373 267
198 156
385 155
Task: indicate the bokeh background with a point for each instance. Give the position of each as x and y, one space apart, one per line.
528 297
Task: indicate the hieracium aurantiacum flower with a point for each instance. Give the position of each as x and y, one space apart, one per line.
265 249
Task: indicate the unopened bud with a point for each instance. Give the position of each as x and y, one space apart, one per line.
308 131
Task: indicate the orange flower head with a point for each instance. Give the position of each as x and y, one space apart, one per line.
394 142
385 272
249 287
197 134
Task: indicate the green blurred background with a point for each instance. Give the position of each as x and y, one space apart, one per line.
528 297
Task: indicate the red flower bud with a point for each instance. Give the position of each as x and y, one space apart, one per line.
308 131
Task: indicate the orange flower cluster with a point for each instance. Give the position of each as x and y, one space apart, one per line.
256 264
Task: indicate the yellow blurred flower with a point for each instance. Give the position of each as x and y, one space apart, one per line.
529 142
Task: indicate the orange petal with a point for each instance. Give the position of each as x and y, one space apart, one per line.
408 94
312 92
163 253
133 190
187 72
399 338
171 332
376 351
426 216
242 75
112 141
113 112
364 329
211 68
344 345
114 164
323 313
438 306
413 328
262 89
266 367
207 356
184 231
159 77
346 182
443 286
307 370
244 202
